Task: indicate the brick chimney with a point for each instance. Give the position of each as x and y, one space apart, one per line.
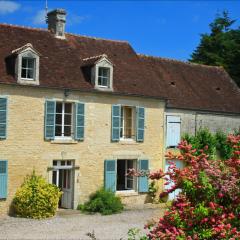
56 21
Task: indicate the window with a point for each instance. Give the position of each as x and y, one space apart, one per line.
125 182
28 68
173 131
63 119
127 130
103 76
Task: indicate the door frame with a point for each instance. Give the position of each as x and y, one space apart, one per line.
56 168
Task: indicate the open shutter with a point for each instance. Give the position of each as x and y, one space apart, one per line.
116 122
110 175
140 118
143 181
173 131
79 124
3 118
50 110
3 178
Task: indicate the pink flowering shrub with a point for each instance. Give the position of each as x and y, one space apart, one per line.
209 205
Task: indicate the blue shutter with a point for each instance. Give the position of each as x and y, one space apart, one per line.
50 110
173 131
3 178
116 122
110 175
3 118
140 118
79 124
143 181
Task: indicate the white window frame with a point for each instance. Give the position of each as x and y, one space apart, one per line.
123 122
105 63
104 77
27 52
63 121
28 68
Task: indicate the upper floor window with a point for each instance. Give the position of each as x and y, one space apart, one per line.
63 119
173 131
103 76
28 68
101 72
128 119
27 65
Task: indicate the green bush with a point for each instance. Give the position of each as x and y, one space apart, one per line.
222 146
36 198
104 202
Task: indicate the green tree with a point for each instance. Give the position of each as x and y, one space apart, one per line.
221 47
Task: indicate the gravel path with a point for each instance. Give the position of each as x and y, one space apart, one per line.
70 224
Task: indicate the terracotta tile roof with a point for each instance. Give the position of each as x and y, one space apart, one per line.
63 65
194 86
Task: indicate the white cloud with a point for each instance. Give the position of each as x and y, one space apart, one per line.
8 7
40 17
76 19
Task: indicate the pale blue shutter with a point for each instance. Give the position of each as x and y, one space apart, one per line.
79 124
173 131
140 118
50 111
143 181
116 122
110 175
3 178
3 118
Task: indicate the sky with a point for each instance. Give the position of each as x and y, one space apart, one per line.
160 28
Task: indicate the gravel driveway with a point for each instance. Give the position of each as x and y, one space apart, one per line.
70 224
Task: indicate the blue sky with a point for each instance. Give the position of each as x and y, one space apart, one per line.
160 28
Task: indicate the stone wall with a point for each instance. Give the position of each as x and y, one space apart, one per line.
25 147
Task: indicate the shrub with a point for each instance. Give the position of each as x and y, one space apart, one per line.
222 145
36 198
104 202
208 206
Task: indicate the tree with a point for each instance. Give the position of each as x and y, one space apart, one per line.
221 47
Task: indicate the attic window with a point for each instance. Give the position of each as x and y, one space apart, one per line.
27 65
173 84
103 76
218 88
28 68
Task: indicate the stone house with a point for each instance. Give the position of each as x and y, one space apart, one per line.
82 110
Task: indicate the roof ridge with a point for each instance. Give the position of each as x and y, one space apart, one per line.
24 27
178 61
97 38
73 34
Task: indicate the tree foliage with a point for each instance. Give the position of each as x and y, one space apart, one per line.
220 47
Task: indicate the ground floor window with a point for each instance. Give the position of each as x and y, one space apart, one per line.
125 182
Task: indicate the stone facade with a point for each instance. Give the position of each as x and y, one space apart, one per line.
26 149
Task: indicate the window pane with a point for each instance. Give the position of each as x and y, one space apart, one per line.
24 62
68 119
59 107
54 163
104 82
68 108
58 131
30 73
67 131
24 73
30 63
59 119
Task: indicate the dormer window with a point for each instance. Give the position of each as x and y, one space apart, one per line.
27 65
103 76
101 72
28 68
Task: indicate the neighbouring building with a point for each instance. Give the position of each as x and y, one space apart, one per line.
81 111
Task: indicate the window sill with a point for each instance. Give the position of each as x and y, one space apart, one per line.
64 141
127 193
105 89
127 141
